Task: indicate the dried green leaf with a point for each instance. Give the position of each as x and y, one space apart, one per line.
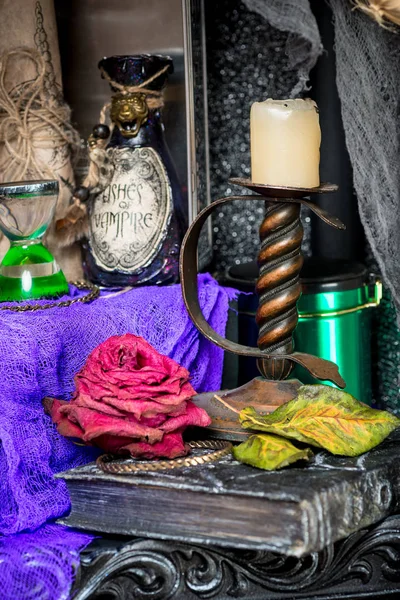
269 452
325 417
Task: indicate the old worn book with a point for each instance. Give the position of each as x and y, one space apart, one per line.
295 511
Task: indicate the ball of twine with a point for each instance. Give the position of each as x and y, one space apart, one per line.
383 12
31 121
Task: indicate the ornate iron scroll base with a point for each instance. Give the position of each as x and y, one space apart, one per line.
365 565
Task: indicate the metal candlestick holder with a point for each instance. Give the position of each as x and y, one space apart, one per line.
278 287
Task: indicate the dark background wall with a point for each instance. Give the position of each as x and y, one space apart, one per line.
335 162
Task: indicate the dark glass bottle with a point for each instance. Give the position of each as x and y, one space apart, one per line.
136 224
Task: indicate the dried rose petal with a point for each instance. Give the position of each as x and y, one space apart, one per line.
171 446
139 408
111 443
95 424
64 426
118 395
194 416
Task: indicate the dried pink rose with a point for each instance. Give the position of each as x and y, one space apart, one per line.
130 398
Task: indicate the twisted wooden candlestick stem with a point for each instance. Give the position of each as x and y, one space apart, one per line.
278 286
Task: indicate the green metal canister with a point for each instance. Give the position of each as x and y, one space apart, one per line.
335 320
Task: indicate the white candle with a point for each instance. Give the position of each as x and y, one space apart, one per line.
285 140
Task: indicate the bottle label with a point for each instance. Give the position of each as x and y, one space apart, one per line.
129 220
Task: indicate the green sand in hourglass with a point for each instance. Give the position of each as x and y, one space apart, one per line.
28 269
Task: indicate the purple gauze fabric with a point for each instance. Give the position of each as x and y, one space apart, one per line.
40 354
40 565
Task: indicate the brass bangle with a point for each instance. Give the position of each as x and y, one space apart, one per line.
108 463
94 293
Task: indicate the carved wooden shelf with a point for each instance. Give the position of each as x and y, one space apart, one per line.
365 565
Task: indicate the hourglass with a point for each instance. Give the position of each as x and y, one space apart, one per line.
28 270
